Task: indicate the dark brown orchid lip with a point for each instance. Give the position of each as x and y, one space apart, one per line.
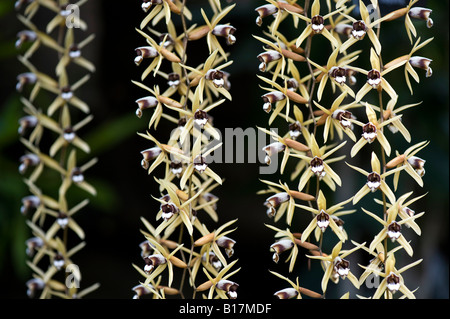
373 181
201 117
295 129
394 230
77 175
317 166
66 92
69 134
374 78
317 23
216 76
343 117
200 163
166 40
153 261
359 29
342 266
393 282
62 219
369 132
339 74
323 220
229 287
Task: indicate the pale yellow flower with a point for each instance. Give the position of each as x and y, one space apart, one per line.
336 266
375 180
324 217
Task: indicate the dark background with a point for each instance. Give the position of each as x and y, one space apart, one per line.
112 219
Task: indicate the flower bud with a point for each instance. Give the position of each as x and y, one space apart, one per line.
26 122
228 244
422 14
272 149
267 57
153 261
287 293
344 29
145 103
264 11
28 160
418 164
25 36
272 97
25 78
33 285
144 52
229 287
422 63
33 244
149 155
140 290
226 31
279 247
